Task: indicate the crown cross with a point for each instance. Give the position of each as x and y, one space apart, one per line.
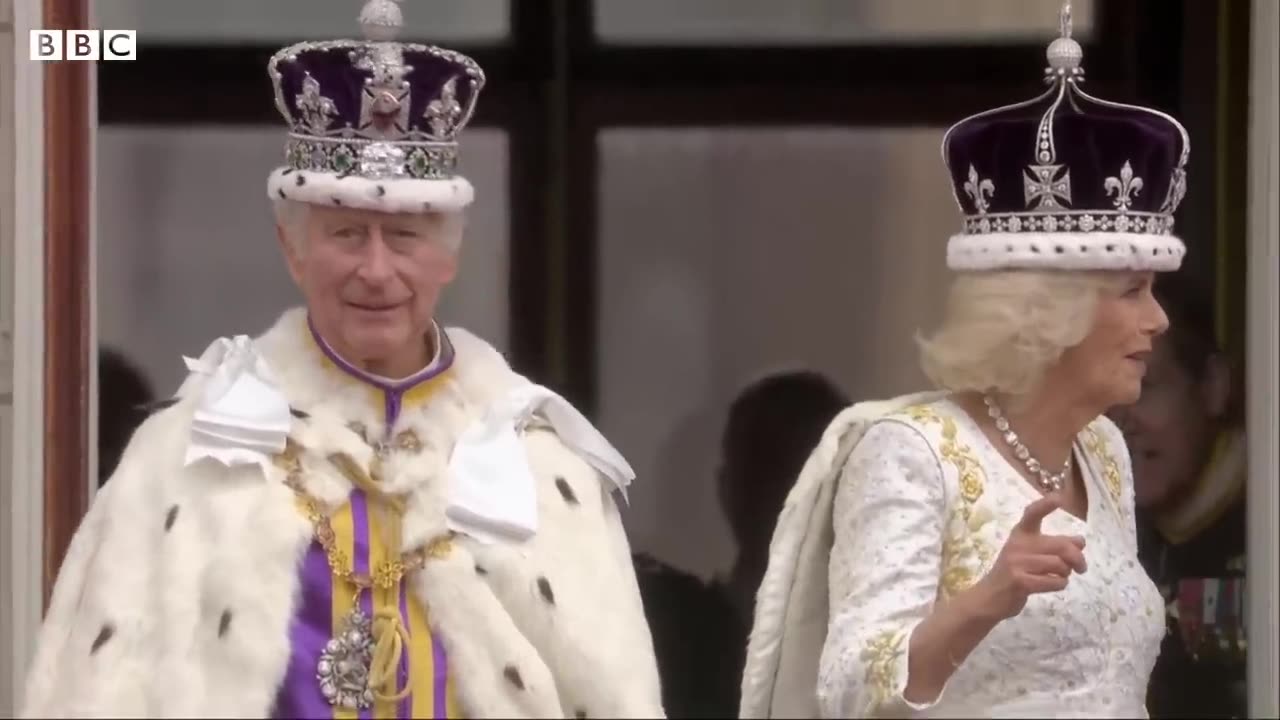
384 110
384 61
444 112
1042 185
315 108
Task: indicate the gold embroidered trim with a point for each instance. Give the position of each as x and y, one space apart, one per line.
961 539
881 656
389 572
1098 447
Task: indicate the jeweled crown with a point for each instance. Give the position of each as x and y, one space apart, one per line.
375 108
1067 180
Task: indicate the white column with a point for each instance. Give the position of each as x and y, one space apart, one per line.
6 326
22 298
1263 330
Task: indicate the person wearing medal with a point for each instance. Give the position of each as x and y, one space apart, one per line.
971 551
1187 437
359 513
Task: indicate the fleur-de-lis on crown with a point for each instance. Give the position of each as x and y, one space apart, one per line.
1124 187
979 190
315 108
444 112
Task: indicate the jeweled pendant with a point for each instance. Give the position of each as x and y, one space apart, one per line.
343 669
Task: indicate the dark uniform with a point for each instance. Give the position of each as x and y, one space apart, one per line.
1201 669
699 640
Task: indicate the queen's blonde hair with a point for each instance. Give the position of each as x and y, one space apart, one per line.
1002 331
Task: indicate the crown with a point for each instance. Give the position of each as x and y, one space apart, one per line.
1067 180
374 123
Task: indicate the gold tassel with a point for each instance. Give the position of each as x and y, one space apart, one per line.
357 476
390 639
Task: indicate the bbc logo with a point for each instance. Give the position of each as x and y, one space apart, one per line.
84 45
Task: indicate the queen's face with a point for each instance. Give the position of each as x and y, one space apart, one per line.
372 280
1110 363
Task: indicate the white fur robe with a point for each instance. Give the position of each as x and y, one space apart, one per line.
780 679
176 596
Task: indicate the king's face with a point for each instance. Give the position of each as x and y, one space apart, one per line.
372 281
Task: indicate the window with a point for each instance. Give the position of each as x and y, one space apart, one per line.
829 22
725 254
675 195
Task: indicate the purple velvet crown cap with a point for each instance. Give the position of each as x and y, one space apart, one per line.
374 123
1066 180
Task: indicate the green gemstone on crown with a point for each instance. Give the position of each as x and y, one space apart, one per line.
343 159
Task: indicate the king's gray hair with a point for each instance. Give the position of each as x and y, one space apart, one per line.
291 216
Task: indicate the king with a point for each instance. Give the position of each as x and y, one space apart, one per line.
360 512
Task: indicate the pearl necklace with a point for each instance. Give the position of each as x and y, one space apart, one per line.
1050 482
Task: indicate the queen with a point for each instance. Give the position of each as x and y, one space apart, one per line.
971 552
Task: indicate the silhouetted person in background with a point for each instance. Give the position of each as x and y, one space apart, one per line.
773 426
123 397
700 629
1186 437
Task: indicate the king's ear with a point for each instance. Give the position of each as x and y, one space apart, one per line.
292 255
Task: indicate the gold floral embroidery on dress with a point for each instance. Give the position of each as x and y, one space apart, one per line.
1097 447
881 658
961 540
956 576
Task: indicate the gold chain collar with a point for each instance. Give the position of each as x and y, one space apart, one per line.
389 632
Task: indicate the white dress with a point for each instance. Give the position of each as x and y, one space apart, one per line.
923 507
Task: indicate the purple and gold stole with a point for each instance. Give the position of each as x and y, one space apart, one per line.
361 531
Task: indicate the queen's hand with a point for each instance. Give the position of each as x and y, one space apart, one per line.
1030 562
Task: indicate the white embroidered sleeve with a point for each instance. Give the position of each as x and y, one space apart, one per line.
888 519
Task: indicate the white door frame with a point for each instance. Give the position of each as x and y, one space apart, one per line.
21 522
1263 361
